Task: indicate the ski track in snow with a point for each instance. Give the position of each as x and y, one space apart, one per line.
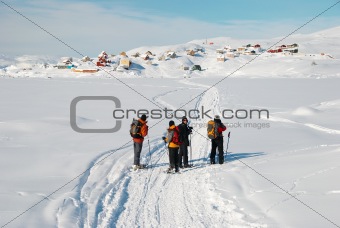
313 126
111 195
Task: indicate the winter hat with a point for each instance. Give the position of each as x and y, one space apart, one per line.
217 117
171 122
184 118
143 117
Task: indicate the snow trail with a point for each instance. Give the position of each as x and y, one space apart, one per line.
111 195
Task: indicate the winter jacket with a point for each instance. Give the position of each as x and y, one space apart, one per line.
220 128
144 131
169 137
184 133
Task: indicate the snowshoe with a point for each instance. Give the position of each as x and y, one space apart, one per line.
169 170
137 167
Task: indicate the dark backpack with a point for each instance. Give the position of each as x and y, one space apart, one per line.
135 129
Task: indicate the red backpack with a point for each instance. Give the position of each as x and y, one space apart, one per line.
176 138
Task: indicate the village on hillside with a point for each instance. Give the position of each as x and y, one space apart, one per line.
192 58
123 62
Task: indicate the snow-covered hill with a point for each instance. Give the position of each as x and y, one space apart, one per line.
318 56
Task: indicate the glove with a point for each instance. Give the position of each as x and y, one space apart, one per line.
163 138
190 130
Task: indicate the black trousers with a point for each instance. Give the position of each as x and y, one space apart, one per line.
173 158
217 143
183 154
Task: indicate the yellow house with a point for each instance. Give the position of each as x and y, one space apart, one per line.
125 63
191 52
220 58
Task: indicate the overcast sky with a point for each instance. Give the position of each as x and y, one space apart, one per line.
92 26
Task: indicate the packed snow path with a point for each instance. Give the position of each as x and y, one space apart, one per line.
111 195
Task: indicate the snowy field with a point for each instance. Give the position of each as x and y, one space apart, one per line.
282 175
280 171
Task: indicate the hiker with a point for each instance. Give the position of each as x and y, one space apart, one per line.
173 140
217 141
184 132
138 137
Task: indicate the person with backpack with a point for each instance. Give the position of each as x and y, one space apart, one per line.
215 129
184 132
138 131
173 139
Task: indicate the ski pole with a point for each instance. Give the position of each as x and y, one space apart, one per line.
149 153
192 163
167 152
226 151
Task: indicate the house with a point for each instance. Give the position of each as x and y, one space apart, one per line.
241 49
61 67
85 70
145 56
136 55
292 50
257 47
148 53
230 55
219 51
86 59
196 67
171 54
101 64
125 63
65 63
184 67
220 58
292 45
65 66
227 47
103 58
66 60
200 49
103 54
191 52
161 58
274 50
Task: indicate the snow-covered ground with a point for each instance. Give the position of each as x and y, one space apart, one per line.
280 172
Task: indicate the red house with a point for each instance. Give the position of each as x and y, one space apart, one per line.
103 58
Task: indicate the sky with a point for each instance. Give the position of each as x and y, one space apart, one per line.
89 27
